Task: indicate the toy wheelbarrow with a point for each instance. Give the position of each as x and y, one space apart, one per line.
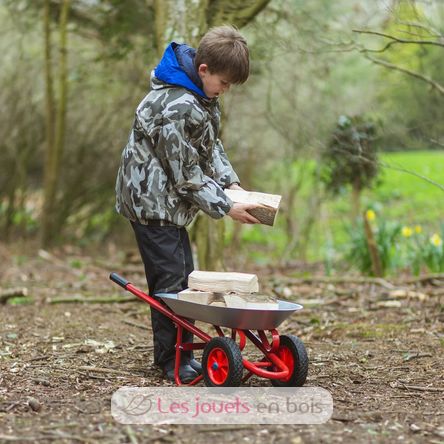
284 362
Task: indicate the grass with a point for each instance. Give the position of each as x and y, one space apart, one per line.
398 195
410 198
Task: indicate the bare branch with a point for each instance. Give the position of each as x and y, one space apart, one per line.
397 40
413 173
433 83
396 168
429 29
416 34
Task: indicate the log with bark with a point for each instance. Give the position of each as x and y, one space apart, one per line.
266 213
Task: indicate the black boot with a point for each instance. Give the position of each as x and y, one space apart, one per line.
196 366
186 372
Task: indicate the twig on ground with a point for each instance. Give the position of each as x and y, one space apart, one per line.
81 300
339 280
224 429
423 279
342 419
10 293
87 375
59 434
103 370
135 324
60 425
11 406
131 435
417 356
19 438
421 389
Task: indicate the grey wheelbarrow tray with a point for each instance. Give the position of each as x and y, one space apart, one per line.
238 318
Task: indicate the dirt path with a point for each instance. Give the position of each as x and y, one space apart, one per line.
382 361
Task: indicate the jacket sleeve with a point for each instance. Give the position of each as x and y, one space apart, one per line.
180 161
224 173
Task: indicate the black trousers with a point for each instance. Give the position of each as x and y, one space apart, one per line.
166 255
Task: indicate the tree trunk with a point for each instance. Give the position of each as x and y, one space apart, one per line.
373 249
187 21
54 133
208 236
49 129
355 202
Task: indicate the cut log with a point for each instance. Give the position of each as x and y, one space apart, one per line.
220 282
202 297
196 296
236 301
266 214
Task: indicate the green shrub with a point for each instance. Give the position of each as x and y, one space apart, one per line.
399 247
434 252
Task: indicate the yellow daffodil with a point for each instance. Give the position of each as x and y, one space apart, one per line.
406 231
370 215
418 229
436 240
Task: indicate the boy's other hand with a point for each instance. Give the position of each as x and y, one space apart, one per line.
239 212
235 186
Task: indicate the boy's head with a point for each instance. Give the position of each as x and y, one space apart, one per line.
222 59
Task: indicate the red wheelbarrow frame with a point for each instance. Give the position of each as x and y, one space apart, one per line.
261 342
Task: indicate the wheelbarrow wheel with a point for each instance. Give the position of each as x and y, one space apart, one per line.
222 363
292 352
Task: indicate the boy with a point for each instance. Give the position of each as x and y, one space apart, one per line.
174 165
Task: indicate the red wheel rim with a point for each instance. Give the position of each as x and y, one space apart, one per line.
285 355
217 366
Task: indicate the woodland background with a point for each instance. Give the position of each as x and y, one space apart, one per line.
74 71
343 115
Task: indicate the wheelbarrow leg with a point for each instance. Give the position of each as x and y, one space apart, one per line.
178 355
179 349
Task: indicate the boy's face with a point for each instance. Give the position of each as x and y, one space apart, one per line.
213 84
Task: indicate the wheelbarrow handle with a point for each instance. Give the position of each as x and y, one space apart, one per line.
119 280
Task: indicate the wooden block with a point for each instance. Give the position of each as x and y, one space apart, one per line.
198 297
202 297
266 214
236 301
220 282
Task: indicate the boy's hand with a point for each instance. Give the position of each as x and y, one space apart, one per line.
239 212
235 186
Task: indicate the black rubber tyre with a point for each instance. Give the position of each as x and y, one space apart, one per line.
222 363
292 350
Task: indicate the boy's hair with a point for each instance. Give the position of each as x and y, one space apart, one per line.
224 50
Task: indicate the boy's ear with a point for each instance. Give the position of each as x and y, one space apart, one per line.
202 69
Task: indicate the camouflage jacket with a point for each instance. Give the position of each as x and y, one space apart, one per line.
174 164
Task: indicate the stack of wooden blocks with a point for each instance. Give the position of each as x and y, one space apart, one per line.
224 289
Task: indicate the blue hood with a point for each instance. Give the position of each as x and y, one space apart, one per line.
179 72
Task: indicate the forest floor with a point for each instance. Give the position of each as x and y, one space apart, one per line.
377 346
